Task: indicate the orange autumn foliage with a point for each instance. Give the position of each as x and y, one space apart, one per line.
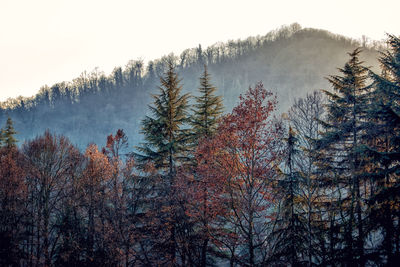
236 167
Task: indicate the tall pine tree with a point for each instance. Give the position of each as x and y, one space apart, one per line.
166 149
8 134
206 112
291 232
346 113
165 137
383 150
207 109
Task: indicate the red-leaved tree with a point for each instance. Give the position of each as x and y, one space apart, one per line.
95 192
237 166
13 196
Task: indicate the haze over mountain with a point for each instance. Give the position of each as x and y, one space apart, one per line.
290 61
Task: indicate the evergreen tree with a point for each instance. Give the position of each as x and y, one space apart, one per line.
207 109
8 134
291 232
383 151
165 137
341 161
166 149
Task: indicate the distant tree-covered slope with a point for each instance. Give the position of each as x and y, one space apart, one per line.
290 61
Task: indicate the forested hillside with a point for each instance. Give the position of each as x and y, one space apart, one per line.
317 186
290 62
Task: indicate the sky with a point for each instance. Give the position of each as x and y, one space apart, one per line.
43 42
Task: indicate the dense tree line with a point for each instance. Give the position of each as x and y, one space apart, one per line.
291 60
316 186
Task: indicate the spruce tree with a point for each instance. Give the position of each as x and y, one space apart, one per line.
291 232
166 149
341 162
8 134
383 150
207 109
164 133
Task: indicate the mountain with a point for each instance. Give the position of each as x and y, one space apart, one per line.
290 61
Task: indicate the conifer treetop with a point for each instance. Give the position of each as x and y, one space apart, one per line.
8 134
164 133
207 109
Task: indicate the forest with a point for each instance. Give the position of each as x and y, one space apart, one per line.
315 186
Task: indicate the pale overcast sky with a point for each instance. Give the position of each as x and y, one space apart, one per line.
48 41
